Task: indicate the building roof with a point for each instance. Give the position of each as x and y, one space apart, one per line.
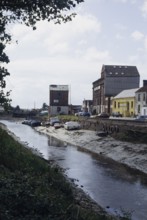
59 87
142 89
120 71
128 93
98 81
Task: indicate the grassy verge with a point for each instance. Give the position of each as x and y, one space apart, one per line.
30 189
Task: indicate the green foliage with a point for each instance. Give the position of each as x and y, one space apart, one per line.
30 11
68 117
4 39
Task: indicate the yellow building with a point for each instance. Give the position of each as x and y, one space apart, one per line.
124 103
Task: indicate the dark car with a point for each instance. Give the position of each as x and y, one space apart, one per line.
31 122
141 118
35 123
103 115
85 114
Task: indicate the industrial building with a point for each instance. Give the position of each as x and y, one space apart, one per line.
58 99
113 80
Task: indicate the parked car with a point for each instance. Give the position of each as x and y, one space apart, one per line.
46 123
116 114
103 115
82 114
35 123
43 113
85 114
78 113
25 122
32 122
57 125
141 118
53 121
71 125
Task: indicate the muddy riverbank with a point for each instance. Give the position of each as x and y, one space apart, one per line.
130 154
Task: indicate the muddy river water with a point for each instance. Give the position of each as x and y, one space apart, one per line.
111 185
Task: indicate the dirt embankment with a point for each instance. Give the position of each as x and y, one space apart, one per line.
133 155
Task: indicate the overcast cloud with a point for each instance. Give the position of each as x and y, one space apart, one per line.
103 32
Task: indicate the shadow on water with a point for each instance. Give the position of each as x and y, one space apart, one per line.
56 142
118 170
113 168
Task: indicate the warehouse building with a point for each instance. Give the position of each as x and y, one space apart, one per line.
113 80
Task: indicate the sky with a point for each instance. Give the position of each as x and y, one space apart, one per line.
110 32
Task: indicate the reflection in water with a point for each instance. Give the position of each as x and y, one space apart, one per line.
109 184
55 142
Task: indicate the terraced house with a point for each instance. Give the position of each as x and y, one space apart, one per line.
141 99
124 103
113 80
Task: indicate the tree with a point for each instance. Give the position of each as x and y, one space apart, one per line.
44 106
28 12
4 97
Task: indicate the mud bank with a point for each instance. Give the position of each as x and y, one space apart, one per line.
130 154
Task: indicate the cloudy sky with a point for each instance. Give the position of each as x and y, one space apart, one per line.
103 32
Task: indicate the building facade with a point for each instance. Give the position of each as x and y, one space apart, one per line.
87 105
141 99
113 80
58 99
124 103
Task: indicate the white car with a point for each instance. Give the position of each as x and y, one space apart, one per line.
71 125
78 113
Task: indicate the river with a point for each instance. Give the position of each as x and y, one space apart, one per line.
112 186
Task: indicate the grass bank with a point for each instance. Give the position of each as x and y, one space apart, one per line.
31 189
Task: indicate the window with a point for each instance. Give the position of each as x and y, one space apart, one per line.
138 97
128 106
118 105
144 98
132 104
114 104
138 108
58 109
59 94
